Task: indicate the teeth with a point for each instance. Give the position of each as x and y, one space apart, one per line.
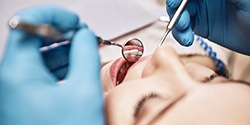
139 53
123 69
132 55
117 82
132 51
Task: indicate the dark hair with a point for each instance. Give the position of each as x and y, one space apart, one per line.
225 73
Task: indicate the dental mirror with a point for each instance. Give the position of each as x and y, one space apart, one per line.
132 50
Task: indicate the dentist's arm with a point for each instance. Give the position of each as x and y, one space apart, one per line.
29 92
225 22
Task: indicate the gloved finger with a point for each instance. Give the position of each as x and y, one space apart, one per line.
22 50
192 7
84 75
171 11
22 60
181 27
183 22
57 59
185 38
84 58
173 4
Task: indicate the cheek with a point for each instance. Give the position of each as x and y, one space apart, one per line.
149 69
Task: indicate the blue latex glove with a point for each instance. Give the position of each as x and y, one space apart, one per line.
225 22
29 92
57 61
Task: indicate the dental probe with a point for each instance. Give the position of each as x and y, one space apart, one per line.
173 21
50 33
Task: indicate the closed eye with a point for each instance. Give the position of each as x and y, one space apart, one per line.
210 78
142 101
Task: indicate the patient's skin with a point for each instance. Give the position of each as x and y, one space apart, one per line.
170 90
201 68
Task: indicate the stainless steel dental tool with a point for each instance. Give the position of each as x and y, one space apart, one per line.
132 49
172 22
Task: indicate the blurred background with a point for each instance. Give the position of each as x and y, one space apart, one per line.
117 20
91 11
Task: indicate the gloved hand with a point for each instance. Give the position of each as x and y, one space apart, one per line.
29 92
225 22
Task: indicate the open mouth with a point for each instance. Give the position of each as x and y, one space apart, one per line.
118 70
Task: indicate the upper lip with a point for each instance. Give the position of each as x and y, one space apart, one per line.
117 65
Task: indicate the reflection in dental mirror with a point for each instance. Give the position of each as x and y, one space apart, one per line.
132 50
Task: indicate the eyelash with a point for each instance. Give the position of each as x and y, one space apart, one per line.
208 79
142 100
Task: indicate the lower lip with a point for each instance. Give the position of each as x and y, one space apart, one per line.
114 69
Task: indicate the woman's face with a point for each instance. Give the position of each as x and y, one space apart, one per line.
168 89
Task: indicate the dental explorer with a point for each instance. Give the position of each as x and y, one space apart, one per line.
132 50
172 22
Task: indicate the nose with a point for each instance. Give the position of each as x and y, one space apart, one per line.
165 59
167 64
